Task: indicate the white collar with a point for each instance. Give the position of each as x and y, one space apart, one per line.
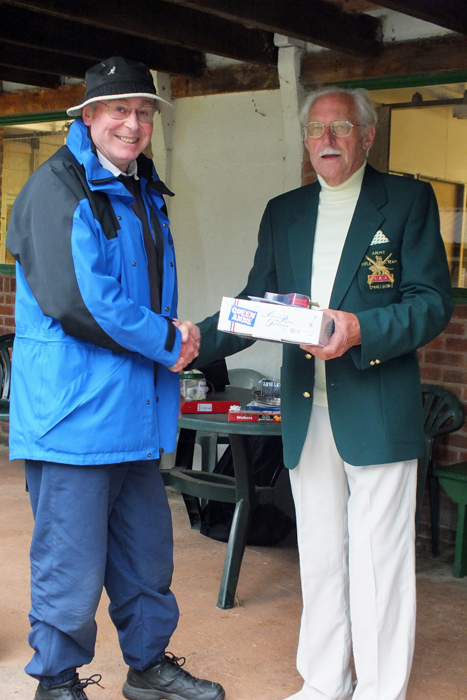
105 162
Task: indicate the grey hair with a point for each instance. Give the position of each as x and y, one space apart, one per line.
366 110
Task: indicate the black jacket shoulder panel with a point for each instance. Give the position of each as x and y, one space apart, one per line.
74 176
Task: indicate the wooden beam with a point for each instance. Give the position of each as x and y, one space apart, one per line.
398 59
35 101
160 21
451 14
315 21
221 80
355 5
217 81
30 29
23 77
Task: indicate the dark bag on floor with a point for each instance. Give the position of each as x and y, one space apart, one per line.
269 525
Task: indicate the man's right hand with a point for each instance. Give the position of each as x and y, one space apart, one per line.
191 340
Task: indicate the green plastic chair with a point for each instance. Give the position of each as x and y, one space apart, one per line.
453 479
442 414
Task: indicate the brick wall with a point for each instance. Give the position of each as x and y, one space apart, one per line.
444 362
7 303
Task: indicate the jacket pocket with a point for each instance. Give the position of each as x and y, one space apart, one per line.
58 397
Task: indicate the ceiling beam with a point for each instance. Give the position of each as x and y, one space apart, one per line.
314 21
24 77
451 14
32 30
34 101
398 59
226 79
160 21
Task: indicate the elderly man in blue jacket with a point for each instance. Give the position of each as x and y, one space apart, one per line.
95 392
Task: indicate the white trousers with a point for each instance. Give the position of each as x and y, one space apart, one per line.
356 537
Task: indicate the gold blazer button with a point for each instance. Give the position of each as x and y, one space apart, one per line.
308 356
372 362
306 394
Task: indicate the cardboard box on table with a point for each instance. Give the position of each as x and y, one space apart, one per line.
254 417
276 322
206 406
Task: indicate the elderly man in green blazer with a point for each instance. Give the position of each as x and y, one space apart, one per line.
367 247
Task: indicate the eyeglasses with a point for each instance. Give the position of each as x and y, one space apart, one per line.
314 130
122 111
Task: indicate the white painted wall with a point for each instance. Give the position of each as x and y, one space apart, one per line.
228 160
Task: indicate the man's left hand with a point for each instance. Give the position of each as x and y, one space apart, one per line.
346 335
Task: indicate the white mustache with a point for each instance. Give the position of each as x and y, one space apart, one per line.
328 151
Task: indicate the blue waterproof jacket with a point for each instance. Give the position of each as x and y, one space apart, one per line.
83 379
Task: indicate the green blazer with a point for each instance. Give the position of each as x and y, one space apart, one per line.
373 389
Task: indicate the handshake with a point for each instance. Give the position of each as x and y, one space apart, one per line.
191 341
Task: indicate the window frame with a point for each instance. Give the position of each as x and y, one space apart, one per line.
416 80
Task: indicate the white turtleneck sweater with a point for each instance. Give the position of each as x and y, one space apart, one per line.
335 212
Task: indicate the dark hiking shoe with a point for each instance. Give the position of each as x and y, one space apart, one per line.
71 690
167 680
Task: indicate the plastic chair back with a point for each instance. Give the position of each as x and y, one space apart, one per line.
442 414
245 378
442 411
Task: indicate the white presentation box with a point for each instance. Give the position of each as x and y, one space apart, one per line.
279 323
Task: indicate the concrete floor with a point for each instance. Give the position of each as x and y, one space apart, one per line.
249 649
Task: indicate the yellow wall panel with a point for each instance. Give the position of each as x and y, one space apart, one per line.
418 141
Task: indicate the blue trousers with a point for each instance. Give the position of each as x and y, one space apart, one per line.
99 526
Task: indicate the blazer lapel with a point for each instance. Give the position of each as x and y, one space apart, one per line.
301 236
366 221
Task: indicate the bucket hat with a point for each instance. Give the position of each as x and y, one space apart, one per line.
118 77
